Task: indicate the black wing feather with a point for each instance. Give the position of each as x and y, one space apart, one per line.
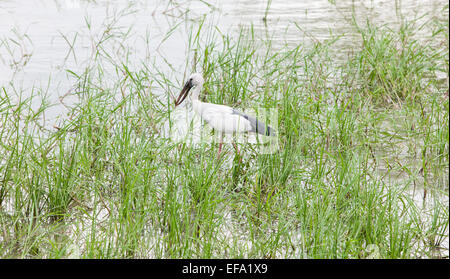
257 125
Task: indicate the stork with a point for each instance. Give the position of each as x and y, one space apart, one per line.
223 119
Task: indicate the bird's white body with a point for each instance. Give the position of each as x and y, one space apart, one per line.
221 117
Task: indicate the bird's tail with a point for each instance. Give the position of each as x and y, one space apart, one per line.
257 125
270 132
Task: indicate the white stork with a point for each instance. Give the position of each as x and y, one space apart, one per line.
222 118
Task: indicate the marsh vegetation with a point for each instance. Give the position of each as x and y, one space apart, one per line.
361 169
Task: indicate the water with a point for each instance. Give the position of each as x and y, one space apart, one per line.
44 37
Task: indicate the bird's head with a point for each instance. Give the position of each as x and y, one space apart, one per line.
194 80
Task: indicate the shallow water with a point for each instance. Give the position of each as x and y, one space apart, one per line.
43 38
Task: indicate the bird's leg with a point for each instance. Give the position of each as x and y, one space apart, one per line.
235 147
220 146
237 150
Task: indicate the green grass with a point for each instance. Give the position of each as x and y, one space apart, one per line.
356 139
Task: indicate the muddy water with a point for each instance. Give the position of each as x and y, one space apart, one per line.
42 38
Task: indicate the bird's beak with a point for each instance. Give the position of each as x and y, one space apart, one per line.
183 94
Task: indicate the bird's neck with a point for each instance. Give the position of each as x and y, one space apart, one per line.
196 103
196 92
